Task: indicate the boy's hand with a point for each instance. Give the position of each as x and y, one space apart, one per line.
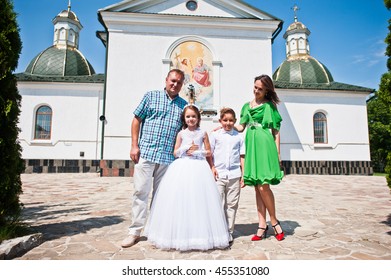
242 185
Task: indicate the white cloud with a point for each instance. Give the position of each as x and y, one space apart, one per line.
374 54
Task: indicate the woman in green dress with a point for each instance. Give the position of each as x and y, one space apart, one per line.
262 158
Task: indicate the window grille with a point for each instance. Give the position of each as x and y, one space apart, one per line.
320 128
43 123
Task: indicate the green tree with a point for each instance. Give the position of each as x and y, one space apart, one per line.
11 164
384 93
379 120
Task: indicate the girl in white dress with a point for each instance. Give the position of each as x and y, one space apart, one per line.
186 212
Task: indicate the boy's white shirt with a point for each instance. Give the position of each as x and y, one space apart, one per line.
227 147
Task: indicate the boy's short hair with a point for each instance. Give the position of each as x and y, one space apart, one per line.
224 111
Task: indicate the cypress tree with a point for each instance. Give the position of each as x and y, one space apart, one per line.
11 164
384 92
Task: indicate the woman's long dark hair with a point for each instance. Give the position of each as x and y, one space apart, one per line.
271 94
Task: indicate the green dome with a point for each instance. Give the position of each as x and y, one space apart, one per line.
306 70
60 62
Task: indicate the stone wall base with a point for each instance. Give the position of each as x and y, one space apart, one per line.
122 168
61 166
328 167
125 168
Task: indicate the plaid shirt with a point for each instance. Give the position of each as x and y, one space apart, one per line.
161 121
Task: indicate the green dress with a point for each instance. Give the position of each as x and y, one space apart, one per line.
261 162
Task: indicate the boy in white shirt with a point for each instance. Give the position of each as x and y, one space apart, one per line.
227 148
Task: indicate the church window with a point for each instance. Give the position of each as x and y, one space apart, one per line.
320 128
72 36
43 123
191 5
62 34
56 34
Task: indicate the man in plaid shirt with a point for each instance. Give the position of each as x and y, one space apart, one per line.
156 122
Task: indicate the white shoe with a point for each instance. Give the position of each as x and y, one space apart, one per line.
130 241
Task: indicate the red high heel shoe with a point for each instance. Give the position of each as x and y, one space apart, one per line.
279 236
263 236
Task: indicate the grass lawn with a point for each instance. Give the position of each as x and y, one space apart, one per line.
379 174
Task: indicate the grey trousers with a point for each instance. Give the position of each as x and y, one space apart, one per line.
229 193
147 176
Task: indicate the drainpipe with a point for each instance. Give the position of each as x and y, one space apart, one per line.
277 31
102 118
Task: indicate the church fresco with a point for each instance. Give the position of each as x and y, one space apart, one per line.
195 59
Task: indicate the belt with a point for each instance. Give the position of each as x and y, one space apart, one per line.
254 124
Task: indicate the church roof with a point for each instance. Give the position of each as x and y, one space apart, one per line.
309 73
335 86
211 8
212 16
297 25
95 78
68 14
307 70
60 62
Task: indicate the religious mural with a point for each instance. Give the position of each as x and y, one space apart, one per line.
195 59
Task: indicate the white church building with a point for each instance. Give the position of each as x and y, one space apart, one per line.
74 120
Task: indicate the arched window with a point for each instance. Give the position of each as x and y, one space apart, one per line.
72 37
62 34
320 128
43 123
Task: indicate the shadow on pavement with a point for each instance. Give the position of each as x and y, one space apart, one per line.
56 230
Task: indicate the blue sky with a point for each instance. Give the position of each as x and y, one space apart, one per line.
346 35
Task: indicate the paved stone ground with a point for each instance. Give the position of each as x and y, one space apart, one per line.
85 217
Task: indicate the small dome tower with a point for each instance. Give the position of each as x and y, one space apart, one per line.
299 67
63 58
66 29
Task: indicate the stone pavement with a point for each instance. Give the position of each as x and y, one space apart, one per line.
85 217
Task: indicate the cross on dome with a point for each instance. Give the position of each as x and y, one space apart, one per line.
295 8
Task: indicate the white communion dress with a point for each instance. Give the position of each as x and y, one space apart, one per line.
186 212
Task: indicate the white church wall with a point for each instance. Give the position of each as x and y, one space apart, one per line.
348 137
75 120
138 63
134 67
241 63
